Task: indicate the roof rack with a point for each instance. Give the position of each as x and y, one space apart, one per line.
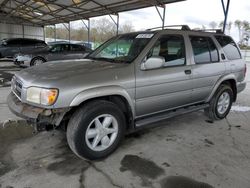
210 30
183 27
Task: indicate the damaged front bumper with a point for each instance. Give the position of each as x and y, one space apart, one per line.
35 115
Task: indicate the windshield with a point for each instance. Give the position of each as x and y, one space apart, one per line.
122 49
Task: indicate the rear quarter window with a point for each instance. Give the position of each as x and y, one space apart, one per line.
229 47
204 50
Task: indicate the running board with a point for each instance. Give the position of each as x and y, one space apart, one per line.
152 119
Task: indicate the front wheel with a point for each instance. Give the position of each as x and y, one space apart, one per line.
221 103
37 61
96 129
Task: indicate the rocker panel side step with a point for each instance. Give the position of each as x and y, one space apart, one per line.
140 123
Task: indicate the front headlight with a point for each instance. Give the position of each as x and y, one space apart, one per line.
41 95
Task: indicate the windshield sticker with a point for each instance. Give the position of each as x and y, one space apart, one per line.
145 36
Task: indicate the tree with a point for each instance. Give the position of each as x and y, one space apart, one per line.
229 27
127 27
221 24
100 31
238 24
213 24
245 25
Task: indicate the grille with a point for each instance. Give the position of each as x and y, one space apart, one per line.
17 87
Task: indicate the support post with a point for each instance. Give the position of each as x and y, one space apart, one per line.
225 10
23 30
116 22
69 32
55 32
162 15
88 31
117 25
44 33
88 28
68 28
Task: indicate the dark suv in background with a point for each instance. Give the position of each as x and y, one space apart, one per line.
10 47
55 52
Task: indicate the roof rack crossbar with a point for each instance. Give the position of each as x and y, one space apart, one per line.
183 27
210 30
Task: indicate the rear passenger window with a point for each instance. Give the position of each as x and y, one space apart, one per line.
204 49
75 48
171 48
229 47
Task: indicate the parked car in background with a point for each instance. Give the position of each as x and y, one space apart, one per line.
12 46
60 51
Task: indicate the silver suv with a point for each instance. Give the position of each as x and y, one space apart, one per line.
128 83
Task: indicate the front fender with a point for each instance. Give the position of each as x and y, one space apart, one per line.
102 92
218 83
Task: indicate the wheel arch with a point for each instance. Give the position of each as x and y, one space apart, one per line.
229 80
37 57
114 94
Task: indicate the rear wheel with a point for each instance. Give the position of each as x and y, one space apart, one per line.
96 129
37 61
221 103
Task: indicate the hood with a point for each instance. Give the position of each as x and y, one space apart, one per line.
58 71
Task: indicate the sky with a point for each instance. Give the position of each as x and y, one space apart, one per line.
194 13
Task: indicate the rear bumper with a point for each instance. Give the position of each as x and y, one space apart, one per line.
35 114
241 86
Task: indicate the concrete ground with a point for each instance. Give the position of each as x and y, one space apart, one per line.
185 152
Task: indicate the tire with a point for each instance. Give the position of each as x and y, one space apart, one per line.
215 111
84 120
37 61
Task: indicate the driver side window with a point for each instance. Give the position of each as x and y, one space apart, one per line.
171 48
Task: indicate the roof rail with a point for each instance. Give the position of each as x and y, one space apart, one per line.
210 30
183 27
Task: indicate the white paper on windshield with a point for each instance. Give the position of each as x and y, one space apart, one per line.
144 36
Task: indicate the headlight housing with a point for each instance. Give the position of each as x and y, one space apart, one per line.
42 95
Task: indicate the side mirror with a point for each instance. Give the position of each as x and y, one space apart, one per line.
153 63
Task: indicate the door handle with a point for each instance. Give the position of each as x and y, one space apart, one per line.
188 71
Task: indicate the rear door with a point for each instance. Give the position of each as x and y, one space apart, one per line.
59 52
27 46
234 62
77 51
207 67
167 87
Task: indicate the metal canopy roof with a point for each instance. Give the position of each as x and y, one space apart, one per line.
47 12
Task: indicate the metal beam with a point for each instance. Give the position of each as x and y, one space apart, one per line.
116 22
88 28
44 33
225 11
55 32
162 15
69 32
23 30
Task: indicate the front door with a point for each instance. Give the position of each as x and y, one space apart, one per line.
169 86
